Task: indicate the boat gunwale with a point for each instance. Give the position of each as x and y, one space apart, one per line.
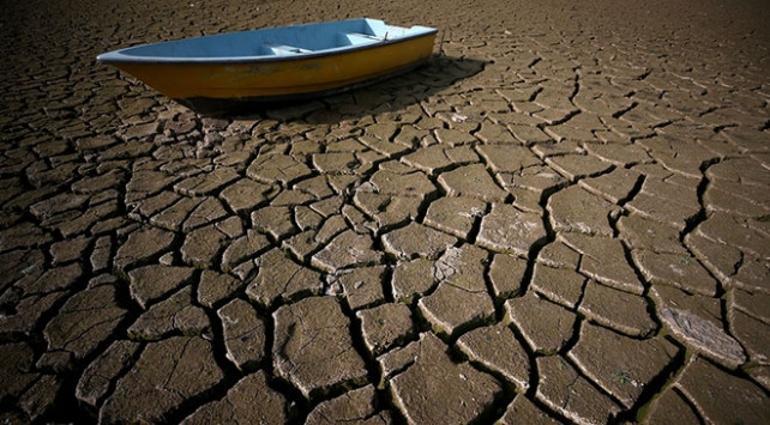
105 58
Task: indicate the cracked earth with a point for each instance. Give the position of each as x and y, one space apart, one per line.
558 220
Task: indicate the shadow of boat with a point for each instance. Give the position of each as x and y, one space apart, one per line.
388 94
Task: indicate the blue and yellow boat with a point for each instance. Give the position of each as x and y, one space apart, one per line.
275 64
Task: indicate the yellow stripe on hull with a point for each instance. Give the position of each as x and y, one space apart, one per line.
281 78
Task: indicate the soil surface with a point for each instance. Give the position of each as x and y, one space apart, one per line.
563 218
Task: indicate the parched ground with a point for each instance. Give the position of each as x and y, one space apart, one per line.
565 218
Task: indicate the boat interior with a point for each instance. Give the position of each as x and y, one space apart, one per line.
270 42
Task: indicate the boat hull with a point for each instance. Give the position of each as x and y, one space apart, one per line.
286 79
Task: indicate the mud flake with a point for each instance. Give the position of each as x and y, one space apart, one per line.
545 326
506 229
473 181
436 389
280 278
250 400
455 215
497 349
704 336
167 373
361 287
621 311
347 249
385 325
141 244
150 283
244 334
176 314
312 347
356 407
564 390
417 240
99 375
621 365
85 321
576 210
723 398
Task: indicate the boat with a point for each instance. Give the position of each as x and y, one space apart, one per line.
275 64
